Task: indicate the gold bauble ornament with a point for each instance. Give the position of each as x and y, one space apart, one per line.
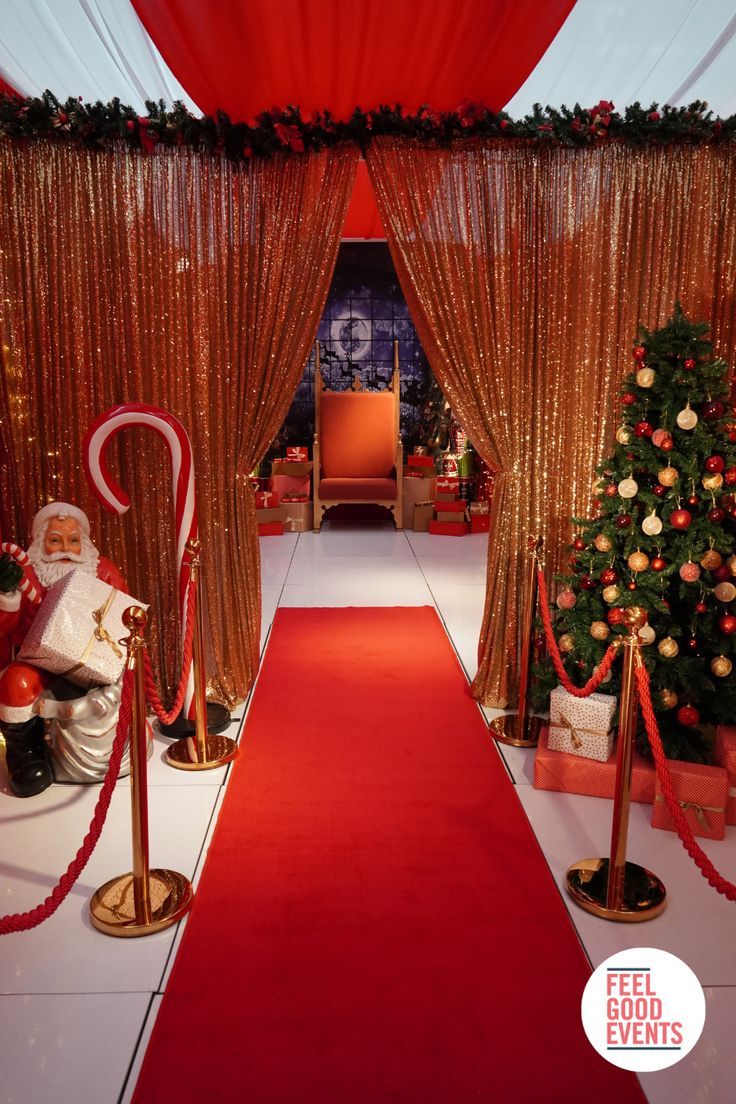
599 630
668 476
638 561
624 435
711 560
668 648
721 666
566 643
667 698
610 594
603 544
712 482
687 418
731 561
646 635
645 377
627 488
725 592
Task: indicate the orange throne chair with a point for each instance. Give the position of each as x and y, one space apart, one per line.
358 455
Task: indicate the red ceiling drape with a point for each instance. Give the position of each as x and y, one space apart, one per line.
243 56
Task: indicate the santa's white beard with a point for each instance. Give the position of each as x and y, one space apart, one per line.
50 568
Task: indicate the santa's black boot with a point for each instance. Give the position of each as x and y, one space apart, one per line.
29 771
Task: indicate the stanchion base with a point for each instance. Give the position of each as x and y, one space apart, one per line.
643 897
506 730
184 754
218 719
112 908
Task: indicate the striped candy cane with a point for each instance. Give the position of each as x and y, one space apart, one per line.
29 584
114 498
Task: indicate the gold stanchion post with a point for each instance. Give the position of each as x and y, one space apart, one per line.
207 749
521 729
143 901
613 888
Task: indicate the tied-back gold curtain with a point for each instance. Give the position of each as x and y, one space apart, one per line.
527 271
180 280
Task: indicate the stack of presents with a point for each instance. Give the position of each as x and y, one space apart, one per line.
286 505
440 504
576 754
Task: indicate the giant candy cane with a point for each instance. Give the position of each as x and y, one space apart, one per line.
114 498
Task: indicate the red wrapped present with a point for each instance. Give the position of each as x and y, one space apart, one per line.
266 500
566 773
290 498
726 758
271 529
299 453
284 485
291 467
702 793
456 506
448 484
479 507
480 523
448 528
420 462
449 465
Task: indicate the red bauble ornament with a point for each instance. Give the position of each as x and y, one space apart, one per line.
667 445
713 410
715 464
693 500
632 584
689 364
659 490
639 352
609 576
732 512
657 563
611 490
721 574
643 429
622 521
729 477
681 519
692 644
727 624
732 434
578 544
615 616
688 715
587 583
628 399
700 607
716 515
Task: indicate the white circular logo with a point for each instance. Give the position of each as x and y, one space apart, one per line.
643 1009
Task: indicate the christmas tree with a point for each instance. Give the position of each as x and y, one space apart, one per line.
663 538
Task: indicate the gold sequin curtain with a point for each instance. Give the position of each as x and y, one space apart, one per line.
179 280
527 271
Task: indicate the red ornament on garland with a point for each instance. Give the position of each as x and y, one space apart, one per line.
657 563
628 399
639 352
721 574
689 364
715 464
659 490
579 544
692 644
643 429
632 584
693 500
587 583
615 616
667 445
609 576
688 716
716 515
611 490
622 521
712 410
729 477
727 624
700 607
681 519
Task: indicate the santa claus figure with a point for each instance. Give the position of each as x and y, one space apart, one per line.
61 543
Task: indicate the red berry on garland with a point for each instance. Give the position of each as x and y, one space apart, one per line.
657 563
727 624
688 715
667 445
689 364
579 544
622 521
628 399
712 410
700 607
587 583
729 477
643 429
659 490
721 574
609 576
639 352
715 464
716 515
681 519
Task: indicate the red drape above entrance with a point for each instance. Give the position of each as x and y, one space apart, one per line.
243 56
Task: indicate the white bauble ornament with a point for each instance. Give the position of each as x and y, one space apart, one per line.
624 435
652 525
627 488
687 418
646 635
645 377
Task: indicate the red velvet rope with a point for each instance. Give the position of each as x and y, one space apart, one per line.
151 692
24 921
603 667
696 853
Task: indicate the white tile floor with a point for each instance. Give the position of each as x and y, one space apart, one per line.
76 1008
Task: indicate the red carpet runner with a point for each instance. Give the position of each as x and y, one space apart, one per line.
375 921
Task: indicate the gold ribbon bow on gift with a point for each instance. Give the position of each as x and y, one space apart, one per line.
699 810
99 634
577 743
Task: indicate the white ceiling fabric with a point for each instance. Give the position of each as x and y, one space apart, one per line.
668 51
96 49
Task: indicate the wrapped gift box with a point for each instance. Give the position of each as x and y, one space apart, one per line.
294 468
271 529
276 513
266 499
448 528
456 506
414 490
581 741
298 516
446 515
448 484
298 453
726 758
480 523
702 793
420 461
558 770
450 465
286 486
77 629
423 514
594 712
480 508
